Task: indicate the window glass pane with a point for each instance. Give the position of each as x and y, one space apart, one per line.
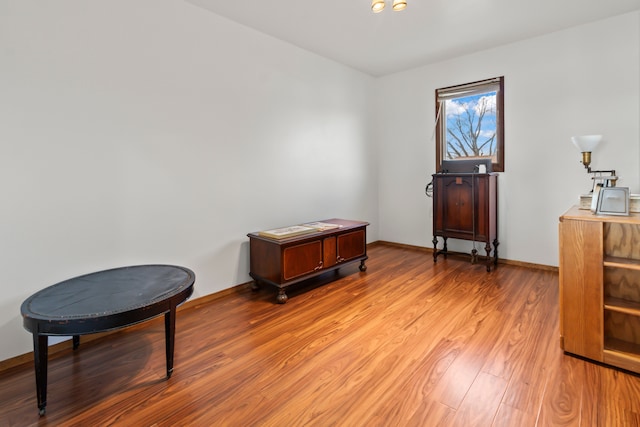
470 127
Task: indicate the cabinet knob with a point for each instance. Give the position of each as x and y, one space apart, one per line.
339 259
318 267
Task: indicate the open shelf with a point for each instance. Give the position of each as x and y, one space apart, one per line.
623 354
619 262
621 347
622 306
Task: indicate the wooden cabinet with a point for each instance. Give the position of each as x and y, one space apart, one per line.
465 206
600 287
283 262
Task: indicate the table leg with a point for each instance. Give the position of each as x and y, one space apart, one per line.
76 342
40 356
169 336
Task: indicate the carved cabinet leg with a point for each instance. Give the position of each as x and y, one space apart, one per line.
487 248
362 267
445 250
282 296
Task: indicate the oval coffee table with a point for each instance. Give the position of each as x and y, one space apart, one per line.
104 301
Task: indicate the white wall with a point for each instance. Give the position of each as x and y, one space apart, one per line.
153 131
580 81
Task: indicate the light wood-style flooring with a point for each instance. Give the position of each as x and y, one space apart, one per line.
407 343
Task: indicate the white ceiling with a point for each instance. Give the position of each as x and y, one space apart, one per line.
426 31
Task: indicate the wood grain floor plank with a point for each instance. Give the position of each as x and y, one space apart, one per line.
384 352
482 401
511 348
508 416
478 339
540 354
562 401
464 320
429 413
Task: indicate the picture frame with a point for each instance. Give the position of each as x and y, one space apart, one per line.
613 201
595 196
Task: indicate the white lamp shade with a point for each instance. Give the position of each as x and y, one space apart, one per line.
586 143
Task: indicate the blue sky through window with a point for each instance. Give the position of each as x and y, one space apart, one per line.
471 126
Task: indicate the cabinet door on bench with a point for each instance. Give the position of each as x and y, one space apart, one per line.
351 245
302 259
330 252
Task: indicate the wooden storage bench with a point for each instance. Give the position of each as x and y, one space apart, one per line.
283 262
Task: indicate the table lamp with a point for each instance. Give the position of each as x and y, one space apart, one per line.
586 144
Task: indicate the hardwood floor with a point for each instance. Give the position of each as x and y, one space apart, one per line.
408 343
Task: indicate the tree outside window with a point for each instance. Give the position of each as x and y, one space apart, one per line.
469 122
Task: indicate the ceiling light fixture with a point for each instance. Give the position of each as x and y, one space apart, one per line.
377 6
399 5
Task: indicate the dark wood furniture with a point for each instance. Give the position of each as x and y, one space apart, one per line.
465 206
104 301
283 262
600 287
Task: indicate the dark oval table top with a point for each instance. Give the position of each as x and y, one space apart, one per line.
108 299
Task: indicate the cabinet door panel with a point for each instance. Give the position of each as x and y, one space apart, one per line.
581 299
458 209
351 245
465 206
330 256
302 259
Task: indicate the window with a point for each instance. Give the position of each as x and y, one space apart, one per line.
470 122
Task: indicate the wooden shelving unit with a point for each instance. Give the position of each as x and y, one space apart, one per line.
600 287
